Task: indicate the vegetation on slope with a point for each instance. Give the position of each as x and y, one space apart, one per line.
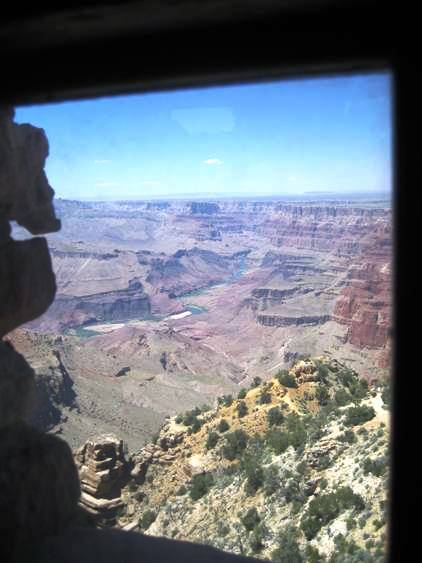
294 469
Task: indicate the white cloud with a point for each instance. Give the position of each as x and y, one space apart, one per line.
213 161
106 184
102 161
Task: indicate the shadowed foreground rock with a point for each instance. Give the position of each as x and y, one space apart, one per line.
102 546
41 521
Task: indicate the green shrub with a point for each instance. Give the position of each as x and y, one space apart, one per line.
264 398
275 416
288 547
201 484
323 372
256 382
386 393
241 409
325 508
375 466
293 491
179 419
346 498
222 529
182 490
359 415
251 519
286 379
322 395
313 555
235 444
350 551
278 441
196 425
225 400
378 524
296 431
350 523
242 394
191 416
271 480
212 440
357 387
346 377
223 425
256 542
347 437
147 519
302 468
323 484
342 397
254 477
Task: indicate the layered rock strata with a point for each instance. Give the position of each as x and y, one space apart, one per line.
365 303
279 320
103 470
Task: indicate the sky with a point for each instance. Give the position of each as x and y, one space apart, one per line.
275 138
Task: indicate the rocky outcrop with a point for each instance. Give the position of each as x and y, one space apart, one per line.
304 371
83 254
264 298
157 453
103 471
25 194
279 320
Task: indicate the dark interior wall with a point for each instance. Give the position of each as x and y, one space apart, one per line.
140 46
86 49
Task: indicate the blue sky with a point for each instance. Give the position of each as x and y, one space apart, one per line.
281 138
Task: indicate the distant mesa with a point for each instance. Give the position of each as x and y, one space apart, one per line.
204 208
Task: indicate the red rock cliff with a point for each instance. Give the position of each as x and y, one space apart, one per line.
365 303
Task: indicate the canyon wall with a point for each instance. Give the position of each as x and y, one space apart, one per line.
365 304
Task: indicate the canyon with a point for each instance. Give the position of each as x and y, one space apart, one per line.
165 305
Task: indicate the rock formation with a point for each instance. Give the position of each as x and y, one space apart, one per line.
279 320
103 470
123 304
